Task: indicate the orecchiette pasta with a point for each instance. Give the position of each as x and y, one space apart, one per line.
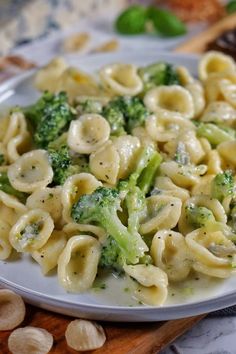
163 212
74 187
211 251
170 253
73 229
31 231
88 133
122 79
105 163
153 283
5 246
163 127
127 147
215 62
48 255
77 264
48 199
172 99
188 221
130 172
31 171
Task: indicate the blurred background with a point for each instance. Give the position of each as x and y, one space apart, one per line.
34 31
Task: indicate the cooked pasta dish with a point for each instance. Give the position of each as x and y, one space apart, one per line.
129 171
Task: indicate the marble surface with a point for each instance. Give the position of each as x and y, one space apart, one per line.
212 335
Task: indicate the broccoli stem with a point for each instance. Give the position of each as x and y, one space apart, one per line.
214 134
146 179
133 247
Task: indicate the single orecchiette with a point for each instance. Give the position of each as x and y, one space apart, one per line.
31 231
184 75
219 112
48 199
170 253
18 146
73 229
187 224
16 126
191 145
166 186
227 151
30 340
12 310
84 335
214 62
10 208
127 147
228 90
197 92
105 163
74 187
203 186
153 283
182 175
46 79
88 133
31 171
77 264
5 246
173 99
122 79
163 127
163 211
211 250
48 255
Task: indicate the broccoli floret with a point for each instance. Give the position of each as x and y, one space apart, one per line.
222 185
198 216
214 134
89 106
156 74
50 116
124 113
111 256
6 187
114 115
101 208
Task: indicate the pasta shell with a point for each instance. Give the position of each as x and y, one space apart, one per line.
12 310
77 264
88 133
174 100
31 171
214 62
153 283
84 335
29 340
122 79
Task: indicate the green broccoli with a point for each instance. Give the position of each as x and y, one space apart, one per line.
111 256
156 74
198 216
222 185
124 113
89 106
114 115
215 134
49 116
101 208
6 187
145 171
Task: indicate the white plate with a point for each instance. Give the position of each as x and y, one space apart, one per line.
189 298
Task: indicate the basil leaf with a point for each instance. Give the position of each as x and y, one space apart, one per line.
132 20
